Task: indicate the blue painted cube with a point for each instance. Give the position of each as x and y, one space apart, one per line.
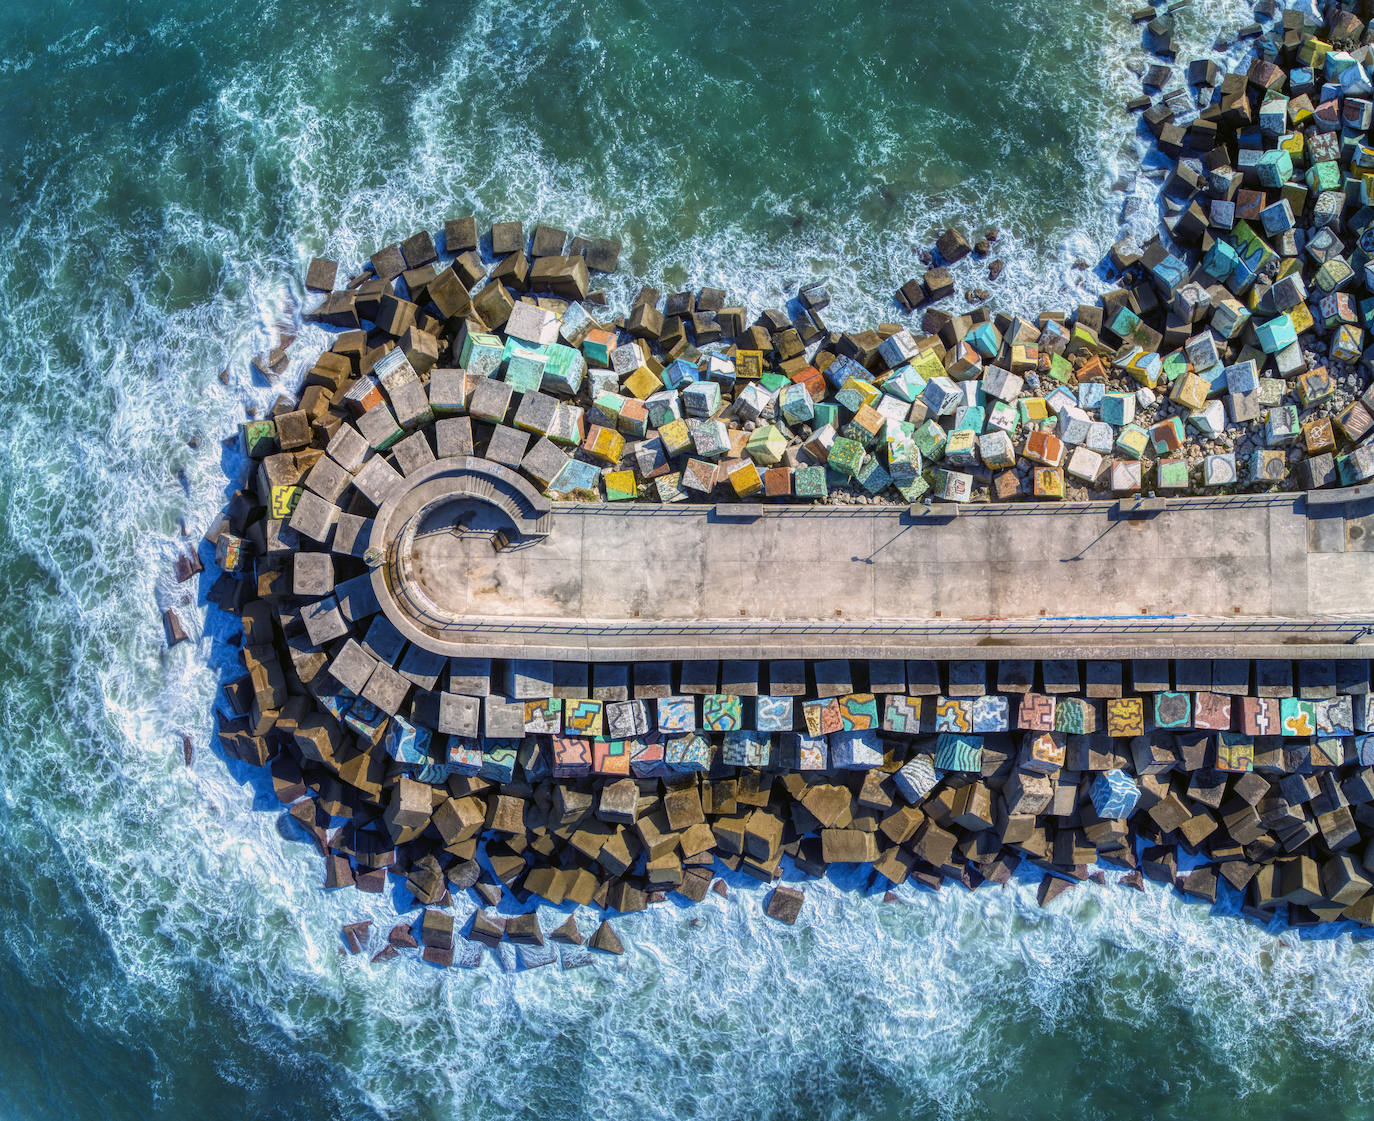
1114 794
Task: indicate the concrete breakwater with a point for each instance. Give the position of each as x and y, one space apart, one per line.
1230 357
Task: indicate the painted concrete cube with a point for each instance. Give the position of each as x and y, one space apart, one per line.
626 719
1335 717
902 715
856 751
1075 716
544 717
1036 713
990 714
1235 752
1212 712
1260 716
955 751
498 760
406 743
647 756
953 714
464 755
572 756
722 712
805 753
773 714
1173 710
747 749
917 778
610 757
688 753
677 715
822 716
1114 794
1125 717
858 712
1297 717
1044 754
583 718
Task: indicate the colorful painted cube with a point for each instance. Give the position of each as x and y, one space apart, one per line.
954 714
544 717
498 760
747 749
583 718
773 714
1075 716
1036 713
626 719
722 712
1235 752
465 755
610 757
1297 717
917 778
858 712
1260 716
647 756
1328 751
805 753
406 743
572 756
1043 754
1212 712
856 751
366 719
1125 717
902 715
822 716
1114 795
688 753
990 714
956 751
1173 710
677 715
1335 717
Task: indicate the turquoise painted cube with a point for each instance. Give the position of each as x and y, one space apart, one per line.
1275 168
827 412
1324 175
809 481
985 339
1276 333
871 475
564 370
958 751
679 372
795 404
481 354
1167 435
498 760
904 383
969 418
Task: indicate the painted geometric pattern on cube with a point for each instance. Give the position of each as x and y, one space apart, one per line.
1212 712
746 749
626 719
958 752
902 715
583 718
773 714
1298 717
677 715
1335 717
808 753
1036 713
647 756
610 757
859 750
498 760
544 717
1235 752
858 712
464 755
822 716
1125 717
953 714
917 778
1045 753
721 712
1328 751
1260 716
990 714
405 743
688 753
1075 717
572 756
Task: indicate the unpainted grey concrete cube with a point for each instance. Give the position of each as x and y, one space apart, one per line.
967 678
1060 675
528 679
378 427
470 676
886 675
347 447
460 715
1150 675
386 689
357 598
544 461
833 677
352 666
314 517
378 480
422 666
610 682
535 412
1192 675
410 403
1352 677
507 445
739 677
323 621
1316 679
570 680
503 719
1273 677
1231 676
1103 679
351 534
383 641
312 575
453 436
1014 675
700 677
328 479
413 453
652 680
490 401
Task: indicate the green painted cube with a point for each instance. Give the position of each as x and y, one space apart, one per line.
846 456
809 482
1172 474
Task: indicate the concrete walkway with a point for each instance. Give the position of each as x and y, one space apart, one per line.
621 582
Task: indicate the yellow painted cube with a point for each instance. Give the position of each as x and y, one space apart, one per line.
1301 317
605 445
1035 408
1049 482
620 485
744 478
642 383
676 437
927 363
865 389
284 500
749 364
1293 143
1190 391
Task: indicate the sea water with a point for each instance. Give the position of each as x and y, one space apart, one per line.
165 946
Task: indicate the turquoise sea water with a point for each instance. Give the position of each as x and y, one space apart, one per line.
163 950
